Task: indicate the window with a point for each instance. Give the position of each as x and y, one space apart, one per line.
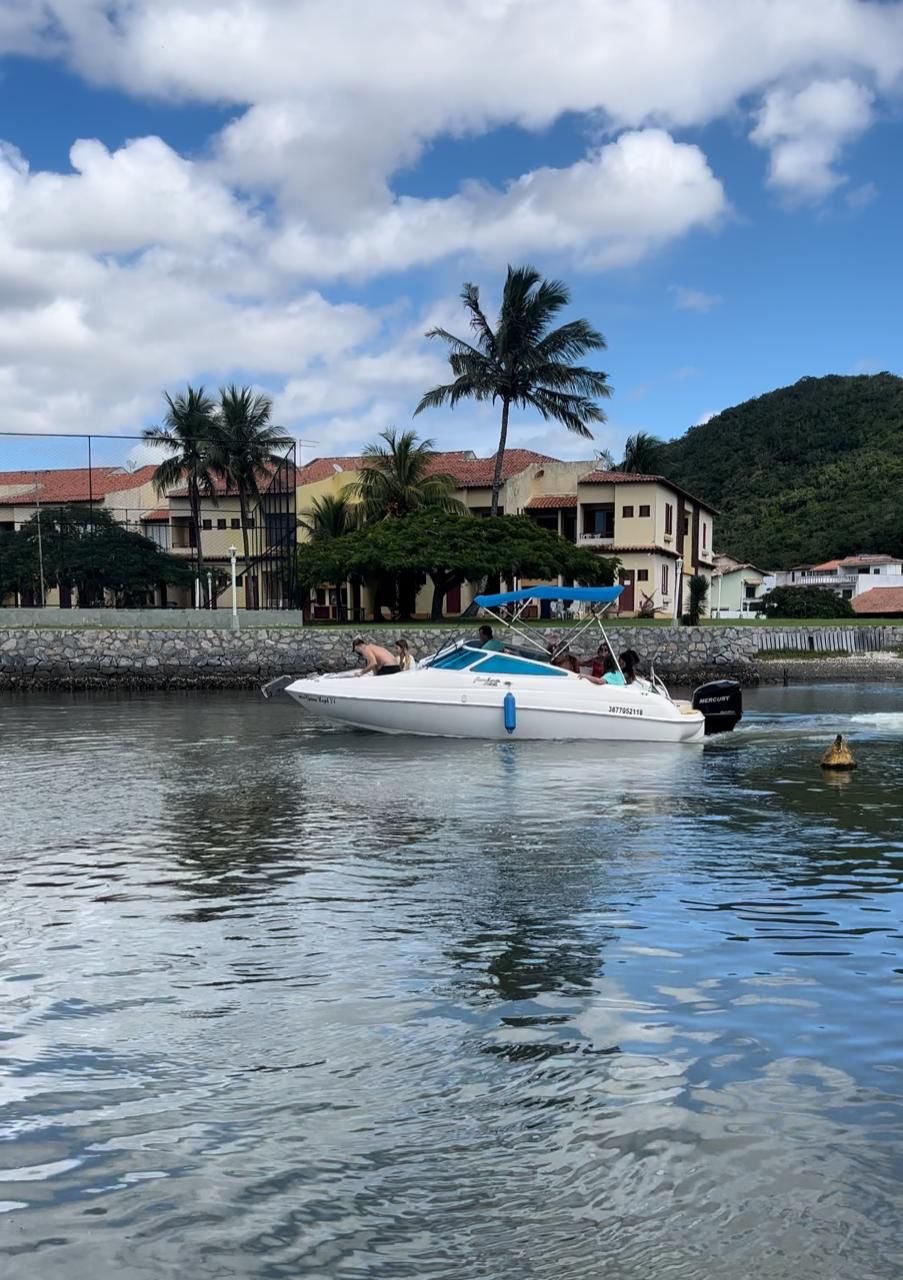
627 513
705 531
206 524
642 575
250 522
686 525
665 578
669 518
599 521
234 523
220 524
645 511
749 590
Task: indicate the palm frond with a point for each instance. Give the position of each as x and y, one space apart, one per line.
574 411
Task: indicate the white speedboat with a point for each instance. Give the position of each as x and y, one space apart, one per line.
466 691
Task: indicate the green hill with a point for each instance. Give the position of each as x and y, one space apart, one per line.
802 474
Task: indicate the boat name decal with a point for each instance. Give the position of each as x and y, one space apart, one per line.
624 711
489 681
319 697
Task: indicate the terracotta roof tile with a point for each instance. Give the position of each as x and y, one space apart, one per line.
72 484
477 473
552 502
160 513
879 601
869 559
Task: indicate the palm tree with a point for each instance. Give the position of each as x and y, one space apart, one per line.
642 453
188 432
523 361
397 478
248 448
331 516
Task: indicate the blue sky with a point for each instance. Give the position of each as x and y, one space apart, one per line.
720 186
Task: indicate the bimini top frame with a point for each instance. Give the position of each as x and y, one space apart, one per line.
599 598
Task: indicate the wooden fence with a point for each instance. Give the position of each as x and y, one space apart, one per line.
831 639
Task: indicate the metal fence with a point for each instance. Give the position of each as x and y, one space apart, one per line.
823 639
114 473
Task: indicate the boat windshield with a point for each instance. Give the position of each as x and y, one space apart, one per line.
491 662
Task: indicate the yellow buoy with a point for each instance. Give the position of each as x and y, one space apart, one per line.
838 755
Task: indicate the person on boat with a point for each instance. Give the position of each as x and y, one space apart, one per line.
376 659
563 658
607 666
405 657
487 640
629 660
597 664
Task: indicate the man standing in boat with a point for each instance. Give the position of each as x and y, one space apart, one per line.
376 659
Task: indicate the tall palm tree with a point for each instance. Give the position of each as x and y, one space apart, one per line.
188 432
642 453
397 479
523 361
331 516
248 448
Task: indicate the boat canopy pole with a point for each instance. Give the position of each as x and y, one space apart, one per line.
511 624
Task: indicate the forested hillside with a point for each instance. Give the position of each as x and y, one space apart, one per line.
801 474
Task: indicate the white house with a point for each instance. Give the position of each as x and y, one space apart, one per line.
736 589
848 577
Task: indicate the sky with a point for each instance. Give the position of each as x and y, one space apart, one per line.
289 193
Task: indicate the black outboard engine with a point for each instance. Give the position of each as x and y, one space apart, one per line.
721 702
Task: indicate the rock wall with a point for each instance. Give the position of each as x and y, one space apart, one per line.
80 657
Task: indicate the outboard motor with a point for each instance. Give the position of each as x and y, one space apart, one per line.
721 702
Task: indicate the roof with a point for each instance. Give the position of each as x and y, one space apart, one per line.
477 473
879 601
637 477
70 484
851 562
323 468
551 502
647 549
727 564
161 513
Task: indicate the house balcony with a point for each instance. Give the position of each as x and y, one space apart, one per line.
597 540
836 580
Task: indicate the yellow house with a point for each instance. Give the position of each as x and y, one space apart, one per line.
646 521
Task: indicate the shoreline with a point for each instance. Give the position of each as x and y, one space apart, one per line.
194 658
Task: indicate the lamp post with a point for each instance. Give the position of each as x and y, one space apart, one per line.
678 587
235 623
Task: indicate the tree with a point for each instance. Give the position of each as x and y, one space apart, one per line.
523 361
697 589
642 454
331 516
85 549
398 479
246 448
189 433
450 549
806 602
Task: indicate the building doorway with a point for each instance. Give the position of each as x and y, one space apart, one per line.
626 599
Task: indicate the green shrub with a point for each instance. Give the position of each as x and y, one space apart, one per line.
806 602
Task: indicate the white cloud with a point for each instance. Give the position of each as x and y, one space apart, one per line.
141 267
694 299
625 200
806 132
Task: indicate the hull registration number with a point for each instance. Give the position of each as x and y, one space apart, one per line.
615 710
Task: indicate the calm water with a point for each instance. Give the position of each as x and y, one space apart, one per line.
280 1001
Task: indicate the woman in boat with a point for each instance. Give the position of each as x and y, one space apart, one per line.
629 660
405 657
608 667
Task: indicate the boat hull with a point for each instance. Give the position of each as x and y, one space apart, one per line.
425 704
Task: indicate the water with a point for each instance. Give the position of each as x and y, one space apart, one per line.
279 1001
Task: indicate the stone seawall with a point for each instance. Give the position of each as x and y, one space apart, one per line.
81 658
157 658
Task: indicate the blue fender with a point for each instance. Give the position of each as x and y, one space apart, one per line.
509 707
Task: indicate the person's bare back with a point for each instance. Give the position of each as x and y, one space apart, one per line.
377 660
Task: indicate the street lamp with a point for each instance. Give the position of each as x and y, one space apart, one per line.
233 552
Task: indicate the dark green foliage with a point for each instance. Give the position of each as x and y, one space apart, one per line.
642 454
806 602
697 590
85 550
449 549
803 474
